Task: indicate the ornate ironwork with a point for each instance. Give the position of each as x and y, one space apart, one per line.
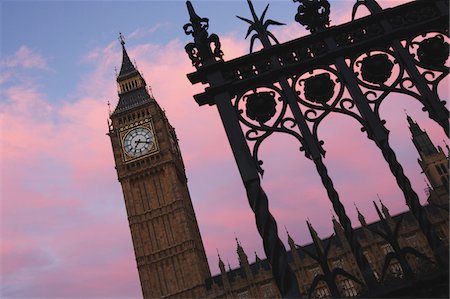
348 69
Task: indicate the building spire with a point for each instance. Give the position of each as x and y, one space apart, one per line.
315 237
221 264
290 240
361 218
383 207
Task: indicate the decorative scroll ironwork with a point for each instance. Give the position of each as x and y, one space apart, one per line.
316 111
430 54
377 85
264 111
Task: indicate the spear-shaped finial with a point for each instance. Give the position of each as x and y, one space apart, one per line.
205 48
259 25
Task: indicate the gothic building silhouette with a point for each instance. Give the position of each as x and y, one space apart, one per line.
169 252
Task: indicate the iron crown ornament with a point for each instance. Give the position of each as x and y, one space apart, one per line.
313 14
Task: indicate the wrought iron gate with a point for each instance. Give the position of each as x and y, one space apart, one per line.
292 87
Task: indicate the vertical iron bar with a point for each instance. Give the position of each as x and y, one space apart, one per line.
265 222
312 148
339 209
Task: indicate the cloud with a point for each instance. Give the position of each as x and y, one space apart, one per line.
143 32
25 58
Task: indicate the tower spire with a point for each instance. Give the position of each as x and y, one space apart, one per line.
132 86
420 138
127 69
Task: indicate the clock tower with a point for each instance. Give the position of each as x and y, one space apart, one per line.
170 257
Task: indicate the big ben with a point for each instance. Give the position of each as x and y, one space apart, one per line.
170 256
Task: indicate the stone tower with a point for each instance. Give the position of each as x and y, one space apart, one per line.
170 257
434 163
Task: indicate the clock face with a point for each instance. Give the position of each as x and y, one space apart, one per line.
138 142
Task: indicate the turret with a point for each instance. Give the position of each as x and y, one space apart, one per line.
225 281
317 241
243 260
386 213
293 248
339 230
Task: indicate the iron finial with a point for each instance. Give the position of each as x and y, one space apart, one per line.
259 25
206 48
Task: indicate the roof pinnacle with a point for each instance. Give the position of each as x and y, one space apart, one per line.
121 39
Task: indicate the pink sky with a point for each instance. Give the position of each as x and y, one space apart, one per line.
64 223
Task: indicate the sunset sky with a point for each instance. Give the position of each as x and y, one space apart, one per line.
63 225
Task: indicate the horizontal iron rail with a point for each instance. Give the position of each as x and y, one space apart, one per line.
383 39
